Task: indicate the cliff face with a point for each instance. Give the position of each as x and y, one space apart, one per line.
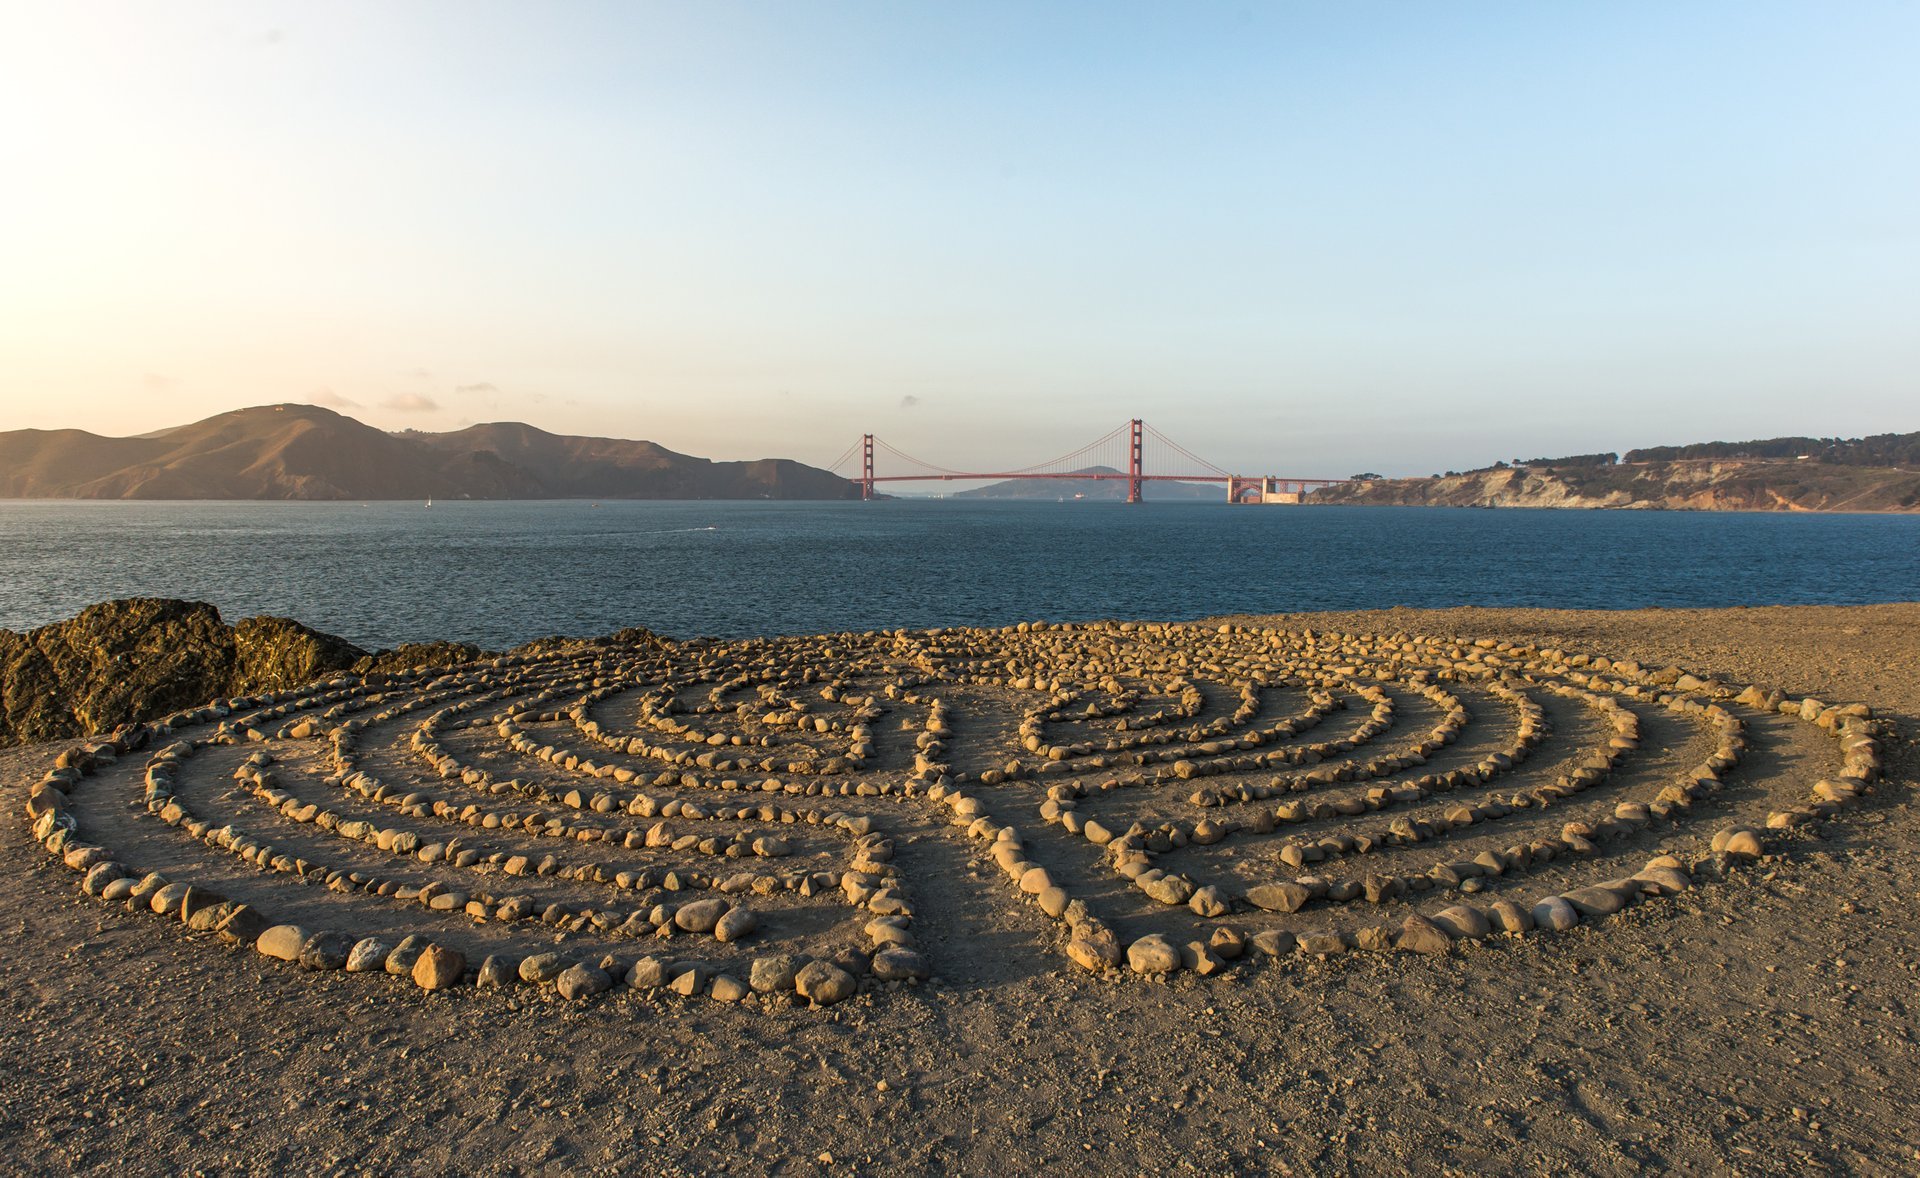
305 452
1676 485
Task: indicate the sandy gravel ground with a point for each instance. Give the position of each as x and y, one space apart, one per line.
1759 1025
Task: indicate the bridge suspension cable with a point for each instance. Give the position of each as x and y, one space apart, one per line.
1125 452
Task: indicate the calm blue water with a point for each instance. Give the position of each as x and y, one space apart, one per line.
501 573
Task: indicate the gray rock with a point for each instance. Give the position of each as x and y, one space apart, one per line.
496 971
774 975
542 968
896 964
327 951
582 981
369 956
647 973
243 924
1555 915
1596 901
406 955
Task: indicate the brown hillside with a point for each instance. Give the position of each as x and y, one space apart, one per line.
305 452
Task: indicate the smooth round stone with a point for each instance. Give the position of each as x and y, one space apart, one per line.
1463 921
897 964
100 875
282 942
1509 917
823 983
1596 901
1555 914
1053 901
734 924
1153 953
701 916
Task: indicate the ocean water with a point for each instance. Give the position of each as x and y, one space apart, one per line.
499 574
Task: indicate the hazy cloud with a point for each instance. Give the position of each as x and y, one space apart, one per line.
410 403
156 383
909 401
418 373
329 399
482 387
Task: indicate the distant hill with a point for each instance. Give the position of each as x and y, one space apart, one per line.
1113 487
1880 473
305 452
1892 451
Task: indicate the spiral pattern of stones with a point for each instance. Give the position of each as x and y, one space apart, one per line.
1190 798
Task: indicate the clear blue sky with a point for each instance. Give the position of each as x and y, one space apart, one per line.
1299 238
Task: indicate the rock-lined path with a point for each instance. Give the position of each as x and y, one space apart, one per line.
797 821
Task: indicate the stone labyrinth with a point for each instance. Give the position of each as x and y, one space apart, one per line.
803 820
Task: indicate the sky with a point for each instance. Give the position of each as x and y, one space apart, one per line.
1302 239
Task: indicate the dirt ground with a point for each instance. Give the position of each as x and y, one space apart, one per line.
1758 1024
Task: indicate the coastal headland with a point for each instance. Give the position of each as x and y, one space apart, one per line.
1454 890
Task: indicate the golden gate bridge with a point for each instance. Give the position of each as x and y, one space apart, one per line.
1127 452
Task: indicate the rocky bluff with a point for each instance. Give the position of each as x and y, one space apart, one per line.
130 660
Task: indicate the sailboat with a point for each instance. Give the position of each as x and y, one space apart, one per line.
429 501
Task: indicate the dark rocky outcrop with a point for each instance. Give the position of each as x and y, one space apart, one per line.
111 662
143 657
137 659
